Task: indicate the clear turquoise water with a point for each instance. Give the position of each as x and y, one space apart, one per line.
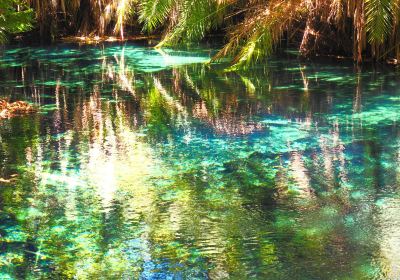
142 164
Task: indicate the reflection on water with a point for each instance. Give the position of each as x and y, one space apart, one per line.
146 164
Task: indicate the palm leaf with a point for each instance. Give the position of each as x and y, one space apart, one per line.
378 15
154 13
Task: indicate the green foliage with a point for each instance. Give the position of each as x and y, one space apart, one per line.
378 19
155 13
15 17
253 29
257 47
249 40
196 18
187 21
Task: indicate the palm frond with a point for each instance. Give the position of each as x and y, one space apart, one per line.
154 13
254 39
378 15
195 19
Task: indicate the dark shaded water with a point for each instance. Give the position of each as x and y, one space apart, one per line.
146 164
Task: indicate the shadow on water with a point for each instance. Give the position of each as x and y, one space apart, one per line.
148 164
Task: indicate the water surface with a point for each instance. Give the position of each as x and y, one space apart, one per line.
145 164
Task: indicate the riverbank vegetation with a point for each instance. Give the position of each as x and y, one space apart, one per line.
253 29
15 17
